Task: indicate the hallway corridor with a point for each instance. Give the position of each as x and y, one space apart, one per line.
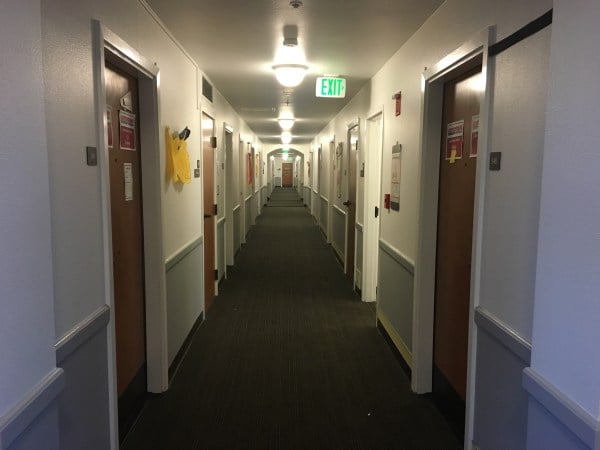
283 363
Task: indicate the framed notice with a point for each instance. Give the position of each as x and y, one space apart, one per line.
126 130
474 136
128 179
396 174
454 140
109 127
339 155
249 170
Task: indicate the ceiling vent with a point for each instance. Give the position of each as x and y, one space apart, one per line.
296 4
207 89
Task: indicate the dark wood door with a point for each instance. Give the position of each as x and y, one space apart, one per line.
351 200
127 242
287 176
208 174
454 236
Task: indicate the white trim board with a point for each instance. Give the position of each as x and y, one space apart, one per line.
458 61
105 42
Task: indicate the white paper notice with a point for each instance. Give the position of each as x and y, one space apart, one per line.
128 177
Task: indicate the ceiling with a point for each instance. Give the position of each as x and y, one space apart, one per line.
235 41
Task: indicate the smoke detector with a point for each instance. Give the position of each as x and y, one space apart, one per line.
295 3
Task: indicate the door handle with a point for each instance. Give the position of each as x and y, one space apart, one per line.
207 216
376 212
347 203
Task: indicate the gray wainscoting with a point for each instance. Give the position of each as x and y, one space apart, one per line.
83 408
237 242
500 401
31 423
338 231
316 206
307 196
264 193
184 294
323 216
358 256
221 247
248 215
395 298
554 420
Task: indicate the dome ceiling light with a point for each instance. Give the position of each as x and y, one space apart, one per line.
286 118
290 68
286 137
290 75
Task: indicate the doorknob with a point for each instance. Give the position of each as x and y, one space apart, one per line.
347 203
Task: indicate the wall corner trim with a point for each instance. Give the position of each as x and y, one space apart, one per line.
32 405
576 419
398 256
81 332
487 322
179 255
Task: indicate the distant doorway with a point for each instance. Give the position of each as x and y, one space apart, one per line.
287 174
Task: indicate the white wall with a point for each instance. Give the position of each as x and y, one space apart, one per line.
75 188
567 310
26 297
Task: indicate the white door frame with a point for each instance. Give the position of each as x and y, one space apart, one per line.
348 152
373 157
127 58
433 81
229 195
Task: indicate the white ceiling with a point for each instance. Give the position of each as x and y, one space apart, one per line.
234 43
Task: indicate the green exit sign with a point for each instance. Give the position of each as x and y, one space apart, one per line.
332 87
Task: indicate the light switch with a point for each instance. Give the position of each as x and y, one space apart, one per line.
91 156
495 159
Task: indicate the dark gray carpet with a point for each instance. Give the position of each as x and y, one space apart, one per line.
289 358
284 197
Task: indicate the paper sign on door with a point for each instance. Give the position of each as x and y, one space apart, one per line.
454 140
126 130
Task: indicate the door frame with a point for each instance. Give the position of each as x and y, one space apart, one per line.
433 79
128 59
349 126
372 225
208 110
229 195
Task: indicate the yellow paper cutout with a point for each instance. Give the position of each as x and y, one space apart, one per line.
453 156
178 160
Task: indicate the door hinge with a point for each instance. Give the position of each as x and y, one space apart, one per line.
216 212
216 274
213 142
376 212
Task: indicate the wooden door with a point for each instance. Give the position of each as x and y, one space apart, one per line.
350 202
208 176
127 242
287 176
454 236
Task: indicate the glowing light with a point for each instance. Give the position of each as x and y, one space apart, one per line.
290 75
286 137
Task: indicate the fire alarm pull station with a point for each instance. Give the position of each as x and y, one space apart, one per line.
386 201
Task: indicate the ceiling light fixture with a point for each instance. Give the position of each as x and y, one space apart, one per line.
290 75
289 68
286 137
286 118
